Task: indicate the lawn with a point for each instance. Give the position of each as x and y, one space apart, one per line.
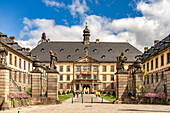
110 97
64 97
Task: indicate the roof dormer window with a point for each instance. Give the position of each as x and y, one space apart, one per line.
95 50
69 56
103 56
110 50
77 50
61 50
42 49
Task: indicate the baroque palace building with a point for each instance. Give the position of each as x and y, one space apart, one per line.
85 65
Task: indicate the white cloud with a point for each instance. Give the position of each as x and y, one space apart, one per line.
139 31
52 3
78 8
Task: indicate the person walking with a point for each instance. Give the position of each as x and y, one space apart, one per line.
99 93
73 94
96 94
81 93
77 94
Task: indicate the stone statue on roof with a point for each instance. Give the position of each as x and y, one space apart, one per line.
53 60
120 61
3 54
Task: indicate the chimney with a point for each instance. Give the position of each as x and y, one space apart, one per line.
97 41
156 41
12 38
28 49
145 49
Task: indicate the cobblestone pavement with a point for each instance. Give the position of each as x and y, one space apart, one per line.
88 107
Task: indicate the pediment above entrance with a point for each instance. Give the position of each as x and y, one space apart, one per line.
86 59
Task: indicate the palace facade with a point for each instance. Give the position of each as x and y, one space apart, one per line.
85 65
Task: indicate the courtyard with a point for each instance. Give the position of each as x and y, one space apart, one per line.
88 107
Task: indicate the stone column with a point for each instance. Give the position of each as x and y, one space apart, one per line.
80 85
121 89
92 88
167 73
4 86
138 80
52 85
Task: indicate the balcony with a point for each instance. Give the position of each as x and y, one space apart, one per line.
86 72
89 80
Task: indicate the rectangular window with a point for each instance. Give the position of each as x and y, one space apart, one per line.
24 77
156 63
152 65
95 86
10 59
77 77
112 69
162 60
68 86
144 66
68 77
84 68
168 58
77 86
104 85
152 78
104 68
78 68
147 79
29 78
104 77
148 66
112 85
88 68
95 77
24 65
20 77
95 68
15 61
15 76
162 75
112 77
61 86
68 68
19 63
88 76
61 68
61 77
84 76
28 66
156 77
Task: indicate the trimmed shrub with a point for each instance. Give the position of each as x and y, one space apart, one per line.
29 92
63 93
59 93
104 92
109 93
101 92
114 93
71 91
68 92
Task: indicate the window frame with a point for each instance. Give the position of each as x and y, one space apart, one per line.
104 68
112 68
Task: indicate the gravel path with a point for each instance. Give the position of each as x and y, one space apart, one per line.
87 107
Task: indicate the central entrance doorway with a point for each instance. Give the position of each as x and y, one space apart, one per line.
86 89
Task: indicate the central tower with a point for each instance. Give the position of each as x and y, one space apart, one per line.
86 34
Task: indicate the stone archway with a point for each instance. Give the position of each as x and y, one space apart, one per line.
86 89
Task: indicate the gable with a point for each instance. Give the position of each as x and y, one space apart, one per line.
86 59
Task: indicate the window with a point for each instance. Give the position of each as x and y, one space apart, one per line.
19 76
84 76
61 68
84 68
10 59
162 75
61 77
24 65
77 86
95 77
148 66
77 77
68 86
15 76
156 63
19 63
152 78
95 68
68 68
68 77
144 66
104 85
104 68
168 57
15 61
95 86
10 75
162 60
24 77
104 77
112 85
29 78
28 66
112 69
88 76
112 77
88 68
152 65
78 68
156 77
61 86
147 79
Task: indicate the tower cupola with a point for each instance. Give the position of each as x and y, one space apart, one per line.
86 34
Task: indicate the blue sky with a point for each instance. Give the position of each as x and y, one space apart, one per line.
108 20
